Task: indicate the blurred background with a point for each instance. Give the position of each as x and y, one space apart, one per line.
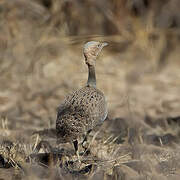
41 59
41 56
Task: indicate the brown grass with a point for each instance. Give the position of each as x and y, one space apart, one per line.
41 61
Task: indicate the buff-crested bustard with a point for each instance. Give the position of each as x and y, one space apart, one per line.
85 108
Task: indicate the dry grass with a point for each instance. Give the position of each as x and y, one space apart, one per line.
41 61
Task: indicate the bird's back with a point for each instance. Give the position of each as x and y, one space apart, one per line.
81 111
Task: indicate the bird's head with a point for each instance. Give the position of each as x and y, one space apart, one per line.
91 51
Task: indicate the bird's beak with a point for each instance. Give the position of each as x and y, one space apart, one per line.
104 44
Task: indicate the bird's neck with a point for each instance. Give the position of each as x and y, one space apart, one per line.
91 76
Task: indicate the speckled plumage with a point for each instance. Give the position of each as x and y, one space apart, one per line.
85 108
80 112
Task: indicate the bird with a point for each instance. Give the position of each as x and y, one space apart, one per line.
85 108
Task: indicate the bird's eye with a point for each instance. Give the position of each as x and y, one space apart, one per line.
99 45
